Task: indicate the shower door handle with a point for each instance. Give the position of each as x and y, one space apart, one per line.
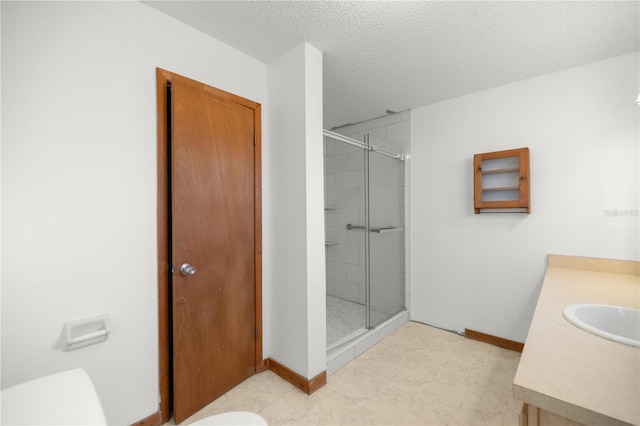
187 269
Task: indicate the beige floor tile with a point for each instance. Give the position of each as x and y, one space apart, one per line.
447 390
288 409
418 375
430 411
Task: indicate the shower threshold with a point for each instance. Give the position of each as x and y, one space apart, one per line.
346 339
350 347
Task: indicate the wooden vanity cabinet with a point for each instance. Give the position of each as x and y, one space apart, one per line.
534 416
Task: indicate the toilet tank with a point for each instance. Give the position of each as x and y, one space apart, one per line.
67 398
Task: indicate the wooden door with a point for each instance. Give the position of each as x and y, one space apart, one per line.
213 229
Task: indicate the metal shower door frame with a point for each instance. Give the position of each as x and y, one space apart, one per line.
368 148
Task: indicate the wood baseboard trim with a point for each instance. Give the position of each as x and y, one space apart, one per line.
494 340
264 366
317 382
307 386
151 420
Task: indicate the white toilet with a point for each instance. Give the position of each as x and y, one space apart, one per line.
69 398
63 398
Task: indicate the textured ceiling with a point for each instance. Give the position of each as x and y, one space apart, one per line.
397 55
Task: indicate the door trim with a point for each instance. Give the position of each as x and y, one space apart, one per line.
163 79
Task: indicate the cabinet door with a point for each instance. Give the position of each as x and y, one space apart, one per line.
534 416
501 181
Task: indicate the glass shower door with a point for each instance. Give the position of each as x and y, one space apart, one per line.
386 237
344 244
364 228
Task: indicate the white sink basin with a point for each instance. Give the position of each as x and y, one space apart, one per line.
611 322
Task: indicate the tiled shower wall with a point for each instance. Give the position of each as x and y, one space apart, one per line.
344 203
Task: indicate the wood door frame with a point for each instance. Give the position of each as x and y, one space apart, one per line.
163 79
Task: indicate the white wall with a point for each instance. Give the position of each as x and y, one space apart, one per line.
316 272
295 256
484 272
79 183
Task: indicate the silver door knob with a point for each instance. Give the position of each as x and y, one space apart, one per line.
187 269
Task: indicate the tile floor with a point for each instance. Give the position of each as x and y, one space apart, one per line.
343 317
418 375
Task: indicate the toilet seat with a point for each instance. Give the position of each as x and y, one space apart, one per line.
232 418
66 398
70 398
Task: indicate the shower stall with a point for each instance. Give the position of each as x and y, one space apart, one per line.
364 234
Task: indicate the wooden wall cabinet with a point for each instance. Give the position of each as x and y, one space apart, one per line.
501 181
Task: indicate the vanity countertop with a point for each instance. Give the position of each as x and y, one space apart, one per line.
573 373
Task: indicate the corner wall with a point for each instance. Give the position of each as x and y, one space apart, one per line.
484 272
294 259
